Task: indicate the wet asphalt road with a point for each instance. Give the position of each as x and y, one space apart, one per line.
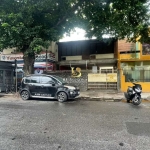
74 125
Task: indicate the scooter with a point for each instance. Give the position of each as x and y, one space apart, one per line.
133 94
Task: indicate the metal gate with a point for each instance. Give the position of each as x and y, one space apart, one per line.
102 81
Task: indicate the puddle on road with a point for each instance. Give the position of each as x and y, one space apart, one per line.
138 128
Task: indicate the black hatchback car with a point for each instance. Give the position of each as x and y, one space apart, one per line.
47 86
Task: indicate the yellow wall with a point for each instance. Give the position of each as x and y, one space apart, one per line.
129 58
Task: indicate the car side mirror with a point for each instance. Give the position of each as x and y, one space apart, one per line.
52 83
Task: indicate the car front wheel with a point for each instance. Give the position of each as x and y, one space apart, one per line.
25 95
61 97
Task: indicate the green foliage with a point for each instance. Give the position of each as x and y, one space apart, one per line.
118 18
29 24
23 21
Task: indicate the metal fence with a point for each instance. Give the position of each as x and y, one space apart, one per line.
83 82
6 78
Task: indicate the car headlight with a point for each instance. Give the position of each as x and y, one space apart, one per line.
71 92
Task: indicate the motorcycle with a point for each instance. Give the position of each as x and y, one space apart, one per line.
133 93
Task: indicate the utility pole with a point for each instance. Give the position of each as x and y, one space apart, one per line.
46 60
16 73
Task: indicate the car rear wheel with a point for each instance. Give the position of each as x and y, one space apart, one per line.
62 97
25 95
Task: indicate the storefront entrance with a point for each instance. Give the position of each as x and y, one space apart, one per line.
6 75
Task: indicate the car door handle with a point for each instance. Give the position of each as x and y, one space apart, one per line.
42 86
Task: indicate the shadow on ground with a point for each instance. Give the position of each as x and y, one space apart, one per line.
52 100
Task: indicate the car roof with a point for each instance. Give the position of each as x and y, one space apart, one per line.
38 75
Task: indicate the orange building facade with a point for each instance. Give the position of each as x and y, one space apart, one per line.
134 63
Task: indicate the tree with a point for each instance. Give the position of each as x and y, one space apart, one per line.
29 25
117 18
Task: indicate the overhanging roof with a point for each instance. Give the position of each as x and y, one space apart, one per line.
83 62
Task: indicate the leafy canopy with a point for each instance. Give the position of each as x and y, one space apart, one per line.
29 25
117 18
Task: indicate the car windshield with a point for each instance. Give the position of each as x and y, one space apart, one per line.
60 79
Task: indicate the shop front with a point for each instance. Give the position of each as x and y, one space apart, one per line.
6 75
136 68
41 63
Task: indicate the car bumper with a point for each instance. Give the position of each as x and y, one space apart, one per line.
73 94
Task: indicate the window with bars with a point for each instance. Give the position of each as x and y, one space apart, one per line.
1 76
139 75
106 70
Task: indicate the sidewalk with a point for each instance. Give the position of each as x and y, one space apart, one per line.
91 95
114 96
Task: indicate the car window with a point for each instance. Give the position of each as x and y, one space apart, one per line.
35 79
46 80
60 79
27 80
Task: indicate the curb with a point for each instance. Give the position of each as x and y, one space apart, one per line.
100 99
86 98
82 98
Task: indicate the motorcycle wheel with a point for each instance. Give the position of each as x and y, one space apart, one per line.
126 96
136 100
128 101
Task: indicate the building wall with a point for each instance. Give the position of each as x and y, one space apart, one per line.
134 63
81 82
12 51
9 51
123 45
40 61
84 48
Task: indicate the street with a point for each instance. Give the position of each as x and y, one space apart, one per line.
74 125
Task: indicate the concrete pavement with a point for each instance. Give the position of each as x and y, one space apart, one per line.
108 95
75 125
93 95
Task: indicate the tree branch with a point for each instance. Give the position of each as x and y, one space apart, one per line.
68 13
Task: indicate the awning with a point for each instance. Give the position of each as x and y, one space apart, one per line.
88 62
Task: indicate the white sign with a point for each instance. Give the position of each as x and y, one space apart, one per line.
11 57
96 77
50 56
38 71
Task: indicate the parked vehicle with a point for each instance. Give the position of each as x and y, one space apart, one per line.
47 86
133 93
